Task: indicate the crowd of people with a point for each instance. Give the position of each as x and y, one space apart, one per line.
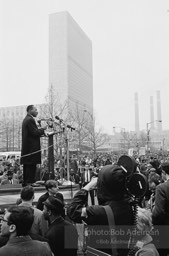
104 180
113 219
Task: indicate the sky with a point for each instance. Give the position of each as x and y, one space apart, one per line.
130 41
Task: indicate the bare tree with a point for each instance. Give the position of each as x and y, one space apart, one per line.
96 137
53 105
77 119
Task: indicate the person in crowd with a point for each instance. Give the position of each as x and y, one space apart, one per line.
1 167
96 169
3 176
30 153
62 235
61 162
111 191
74 177
86 177
16 224
52 190
160 213
39 226
9 179
153 180
73 164
144 227
156 164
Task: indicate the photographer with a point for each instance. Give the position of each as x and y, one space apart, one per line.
110 191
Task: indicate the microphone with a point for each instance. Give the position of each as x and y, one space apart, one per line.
45 119
58 118
39 122
70 127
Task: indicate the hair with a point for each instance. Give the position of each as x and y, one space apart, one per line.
22 217
154 177
29 107
144 220
27 193
50 184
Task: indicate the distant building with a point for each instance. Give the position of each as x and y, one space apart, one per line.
70 61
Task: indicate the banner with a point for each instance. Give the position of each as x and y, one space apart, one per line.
142 151
130 151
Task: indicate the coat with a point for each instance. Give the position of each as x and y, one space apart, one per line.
25 246
31 141
62 237
160 214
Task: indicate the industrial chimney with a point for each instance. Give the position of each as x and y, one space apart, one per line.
159 118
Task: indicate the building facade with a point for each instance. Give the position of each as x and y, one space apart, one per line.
70 61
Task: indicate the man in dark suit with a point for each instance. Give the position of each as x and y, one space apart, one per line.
62 235
86 177
160 214
9 179
30 144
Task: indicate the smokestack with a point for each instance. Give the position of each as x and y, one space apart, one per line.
136 113
152 112
159 124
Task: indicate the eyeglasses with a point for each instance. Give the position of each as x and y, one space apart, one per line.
2 219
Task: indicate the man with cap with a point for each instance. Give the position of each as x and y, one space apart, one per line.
110 191
62 235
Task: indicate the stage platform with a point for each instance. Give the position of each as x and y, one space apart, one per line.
10 193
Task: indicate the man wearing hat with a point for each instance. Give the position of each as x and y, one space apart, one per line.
62 235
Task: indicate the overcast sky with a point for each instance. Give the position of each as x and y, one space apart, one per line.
130 41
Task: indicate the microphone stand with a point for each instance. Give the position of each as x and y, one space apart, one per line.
65 127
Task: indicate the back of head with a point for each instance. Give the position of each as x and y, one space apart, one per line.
27 193
29 107
111 184
144 220
50 184
22 217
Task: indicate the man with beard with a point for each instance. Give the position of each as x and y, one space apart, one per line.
62 235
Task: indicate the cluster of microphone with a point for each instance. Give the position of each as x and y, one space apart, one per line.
50 120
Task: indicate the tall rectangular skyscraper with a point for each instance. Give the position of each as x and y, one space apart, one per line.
70 61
